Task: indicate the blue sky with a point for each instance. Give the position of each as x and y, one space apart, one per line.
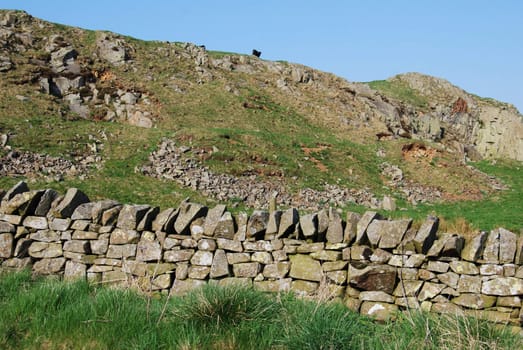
475 44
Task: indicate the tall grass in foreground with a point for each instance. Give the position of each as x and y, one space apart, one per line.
50 314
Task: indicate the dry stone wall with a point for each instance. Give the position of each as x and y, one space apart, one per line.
375 266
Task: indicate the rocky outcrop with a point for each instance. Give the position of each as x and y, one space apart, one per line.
388 268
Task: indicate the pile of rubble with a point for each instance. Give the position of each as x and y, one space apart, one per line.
175 163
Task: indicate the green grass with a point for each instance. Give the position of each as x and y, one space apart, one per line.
37 313
399 91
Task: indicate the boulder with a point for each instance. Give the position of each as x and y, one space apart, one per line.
112 49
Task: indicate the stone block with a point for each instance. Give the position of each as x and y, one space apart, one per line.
178 255
257 224
261 257
281 285
351 227
75 270
77 246
46 236
235 258
507 246
305 268
474 301
88 235
45 250
378 310
426 235
6 245
373 278
72 199
464 267
335 229
304 288
334 265
407 288
36 222
130 216
361 227
229 245
503 286
148 251
288 221
469 284
198 272
250 269
474 248
309 225
491 251
207 245
430 290
99 247
49 266
124 236
202 258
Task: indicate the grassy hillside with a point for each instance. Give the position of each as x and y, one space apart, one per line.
240 122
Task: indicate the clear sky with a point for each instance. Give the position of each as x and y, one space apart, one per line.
475 44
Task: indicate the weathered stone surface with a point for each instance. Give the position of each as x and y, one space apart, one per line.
188 213
121 251
77 246
213 217
310 247
49 266
449 278
378 310
380 256
309 225
220 266
124 236
89 235
360 252
464 267
22 204
393 232
447 308
475 301
99 246
146 223
503 286
8 219
100 207
110 216
45 250
426 235
288 222
438 266
250 269
323 222
115 278
72 199
376 296
326 255
273 224
469 284
361 227
490 269
303 288
16 263
334 265
83 211
57 224
336 277
407 288
6 245
131 215
305 268
430 290
335 230
276 270
234 258
474 248
178 255
148 251
75 270
511 301
351 227
281 285
229 245
111 48
491 251
36 222
202 258
44 205
225 227
198 272
373 278
262 257
507 246
19 187
161 220
207 244
257 223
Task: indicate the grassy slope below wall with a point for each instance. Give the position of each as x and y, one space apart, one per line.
48 314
